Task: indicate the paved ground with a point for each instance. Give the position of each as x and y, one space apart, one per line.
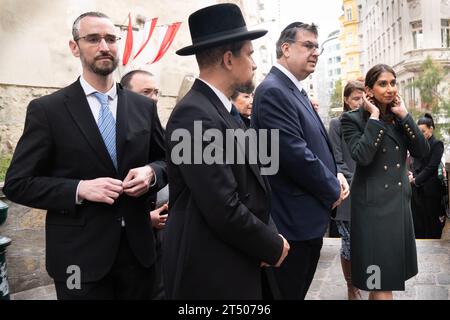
432 282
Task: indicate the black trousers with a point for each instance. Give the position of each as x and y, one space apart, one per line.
296 273
158 292
127 280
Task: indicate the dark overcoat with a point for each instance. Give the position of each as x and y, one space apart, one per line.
218 234
383 247
427 193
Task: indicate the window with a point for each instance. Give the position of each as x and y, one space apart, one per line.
445 33
330 60
417 34
351 63
349 14
387 15
411 93
350 39
338 59
338 71
330 73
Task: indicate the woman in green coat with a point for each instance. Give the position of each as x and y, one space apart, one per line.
383 248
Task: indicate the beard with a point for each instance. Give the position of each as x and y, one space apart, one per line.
102 68
247 86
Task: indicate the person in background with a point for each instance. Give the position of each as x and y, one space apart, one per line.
242 98
142 82
353 99
427 190
378 135
315 104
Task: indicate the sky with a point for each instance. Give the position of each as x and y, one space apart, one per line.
324 13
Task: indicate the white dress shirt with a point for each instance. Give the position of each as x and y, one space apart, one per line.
288 74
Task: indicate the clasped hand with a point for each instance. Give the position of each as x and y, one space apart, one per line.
107 190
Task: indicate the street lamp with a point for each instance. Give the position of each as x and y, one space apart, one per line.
4 242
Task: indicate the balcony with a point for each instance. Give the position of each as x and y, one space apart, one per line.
414 58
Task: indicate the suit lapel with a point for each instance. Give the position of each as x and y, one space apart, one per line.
231 123
394 132
304 101
121 126
81 113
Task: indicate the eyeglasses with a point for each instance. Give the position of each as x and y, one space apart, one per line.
95 39
151 92
310 46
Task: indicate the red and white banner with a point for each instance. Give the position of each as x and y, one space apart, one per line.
147 45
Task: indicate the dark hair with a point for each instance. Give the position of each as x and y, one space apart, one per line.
242 89
76 23
350 87
212 56
371 78
427 120
126 79
290 32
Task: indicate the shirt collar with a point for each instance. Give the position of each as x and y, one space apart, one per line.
89 90
288 74
225 101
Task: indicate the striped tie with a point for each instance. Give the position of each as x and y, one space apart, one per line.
107 126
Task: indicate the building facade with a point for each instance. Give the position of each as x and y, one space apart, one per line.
350 41
403 33
329 70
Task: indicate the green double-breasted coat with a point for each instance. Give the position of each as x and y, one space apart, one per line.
383 249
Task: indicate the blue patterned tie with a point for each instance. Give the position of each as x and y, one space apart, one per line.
107 126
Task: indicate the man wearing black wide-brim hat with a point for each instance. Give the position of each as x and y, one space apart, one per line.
217 238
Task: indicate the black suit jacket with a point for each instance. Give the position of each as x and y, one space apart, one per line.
217 234
60 146
346 165
425 170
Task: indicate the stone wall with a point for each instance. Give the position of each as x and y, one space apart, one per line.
14 100
25 257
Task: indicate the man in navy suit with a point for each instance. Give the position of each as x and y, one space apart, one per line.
306 188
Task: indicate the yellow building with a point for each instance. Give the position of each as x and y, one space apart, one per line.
350 42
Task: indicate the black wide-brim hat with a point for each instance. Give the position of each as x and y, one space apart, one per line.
217 25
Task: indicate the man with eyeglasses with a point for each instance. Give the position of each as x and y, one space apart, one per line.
91 154
307 187
142 82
